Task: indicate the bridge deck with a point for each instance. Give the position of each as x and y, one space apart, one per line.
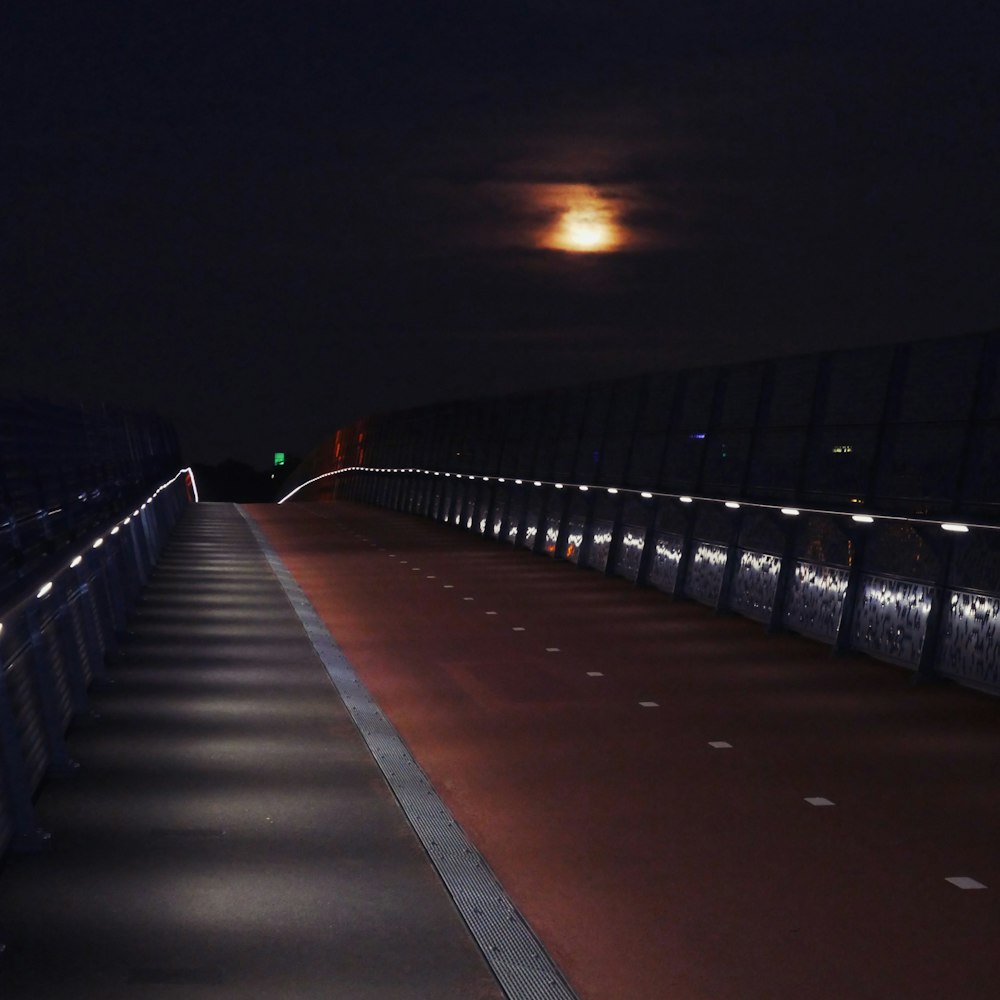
228 834
652 863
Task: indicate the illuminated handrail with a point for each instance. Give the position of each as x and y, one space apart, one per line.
96 541
784 509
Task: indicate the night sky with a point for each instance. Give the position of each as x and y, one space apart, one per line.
264 220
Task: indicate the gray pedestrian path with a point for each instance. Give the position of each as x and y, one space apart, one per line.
228 834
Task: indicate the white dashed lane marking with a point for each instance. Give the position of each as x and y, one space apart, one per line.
649 704
720 745
491 612
518 628
818 800
468 598
551 649
964 882
449 586
594 673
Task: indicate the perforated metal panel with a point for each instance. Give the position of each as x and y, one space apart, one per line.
514 519
469 509
755 585
666 560
600 544
816 600
704 579
574 539
497 515
970 644
890 618
630 552
530 527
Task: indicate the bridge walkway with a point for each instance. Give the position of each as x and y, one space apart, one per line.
228 834
682 805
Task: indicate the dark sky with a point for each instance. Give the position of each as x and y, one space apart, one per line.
266 219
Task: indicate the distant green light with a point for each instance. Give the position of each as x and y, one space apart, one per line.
279 458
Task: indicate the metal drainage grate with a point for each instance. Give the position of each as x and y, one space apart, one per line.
516 956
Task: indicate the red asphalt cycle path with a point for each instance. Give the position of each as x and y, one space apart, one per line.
651 864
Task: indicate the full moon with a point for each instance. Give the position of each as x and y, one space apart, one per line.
586 222
585 231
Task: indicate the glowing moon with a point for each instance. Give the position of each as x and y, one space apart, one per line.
586 222
585 231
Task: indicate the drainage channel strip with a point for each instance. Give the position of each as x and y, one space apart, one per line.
516 956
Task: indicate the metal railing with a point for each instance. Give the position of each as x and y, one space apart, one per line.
753 558
54 643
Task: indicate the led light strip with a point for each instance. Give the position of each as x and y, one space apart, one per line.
77 560
950 526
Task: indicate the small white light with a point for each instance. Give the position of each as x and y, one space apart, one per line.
789 511
583 489
76 562
612 490
46 589
98 543
142 507
438 473
949 526
863 518
115 530
732 505
538 482
501 480
149 499
519 482
448 475
686 499
486 479
127 520
646 496
559 486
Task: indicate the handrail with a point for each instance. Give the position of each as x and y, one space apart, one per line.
32 587
858 517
